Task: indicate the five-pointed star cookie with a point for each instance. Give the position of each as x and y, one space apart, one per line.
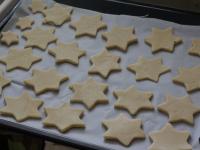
64 118
90 93
22 107
195 49
123 129
39 38
189 77
37 6
133 100
120 37
104 63
57 15
24 23
88 25
9 38
3 81
148 69
168 138
19 58
69 53
179 109
162 39
45 80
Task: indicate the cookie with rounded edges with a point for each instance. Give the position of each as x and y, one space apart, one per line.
3 81
195 49
9 38
24 23
37 6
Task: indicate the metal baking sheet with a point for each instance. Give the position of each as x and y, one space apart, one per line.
93 134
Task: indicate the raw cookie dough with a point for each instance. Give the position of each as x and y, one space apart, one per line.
24 23
195 49
37 6
133 100
69 53
148 69
189 77
89 93
120 37
22 108
45 80
39 38
179 109
104 63
88 25
123 129
9 38
162 39
3 81
168 138
19 58
63 118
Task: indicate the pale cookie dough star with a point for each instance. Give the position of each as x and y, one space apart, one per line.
19 59
22 108
57 14
69 53
9 38
24 23
195 49
120 37
168 138
37 6
123 129
104 63
3 81
189 77
39 38
89 93
162 39
88 25
179 109
64 118
148 69
45 80
133 100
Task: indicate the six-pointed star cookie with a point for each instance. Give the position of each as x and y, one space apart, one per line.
179 109
67 53
39 38
3 81
189 77
37 6
24 23
104 63
168 138
120 37
195 49
133 100
88 25
162 39
22 107
123 129
19 58
45 80
64 118
90 93
148 69
57 15
9 38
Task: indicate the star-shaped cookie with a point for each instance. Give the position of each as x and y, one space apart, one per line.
3 81
162 40
148 69
168 138
39 38
19 59
24 23
179 109
104 63
9 38
64 118
88 25
89 93
120 37
45 80
37 6
195 49
123 129
189 77
133 100
57 14
22 108
69 53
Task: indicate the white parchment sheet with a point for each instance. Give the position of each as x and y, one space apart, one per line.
93 134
